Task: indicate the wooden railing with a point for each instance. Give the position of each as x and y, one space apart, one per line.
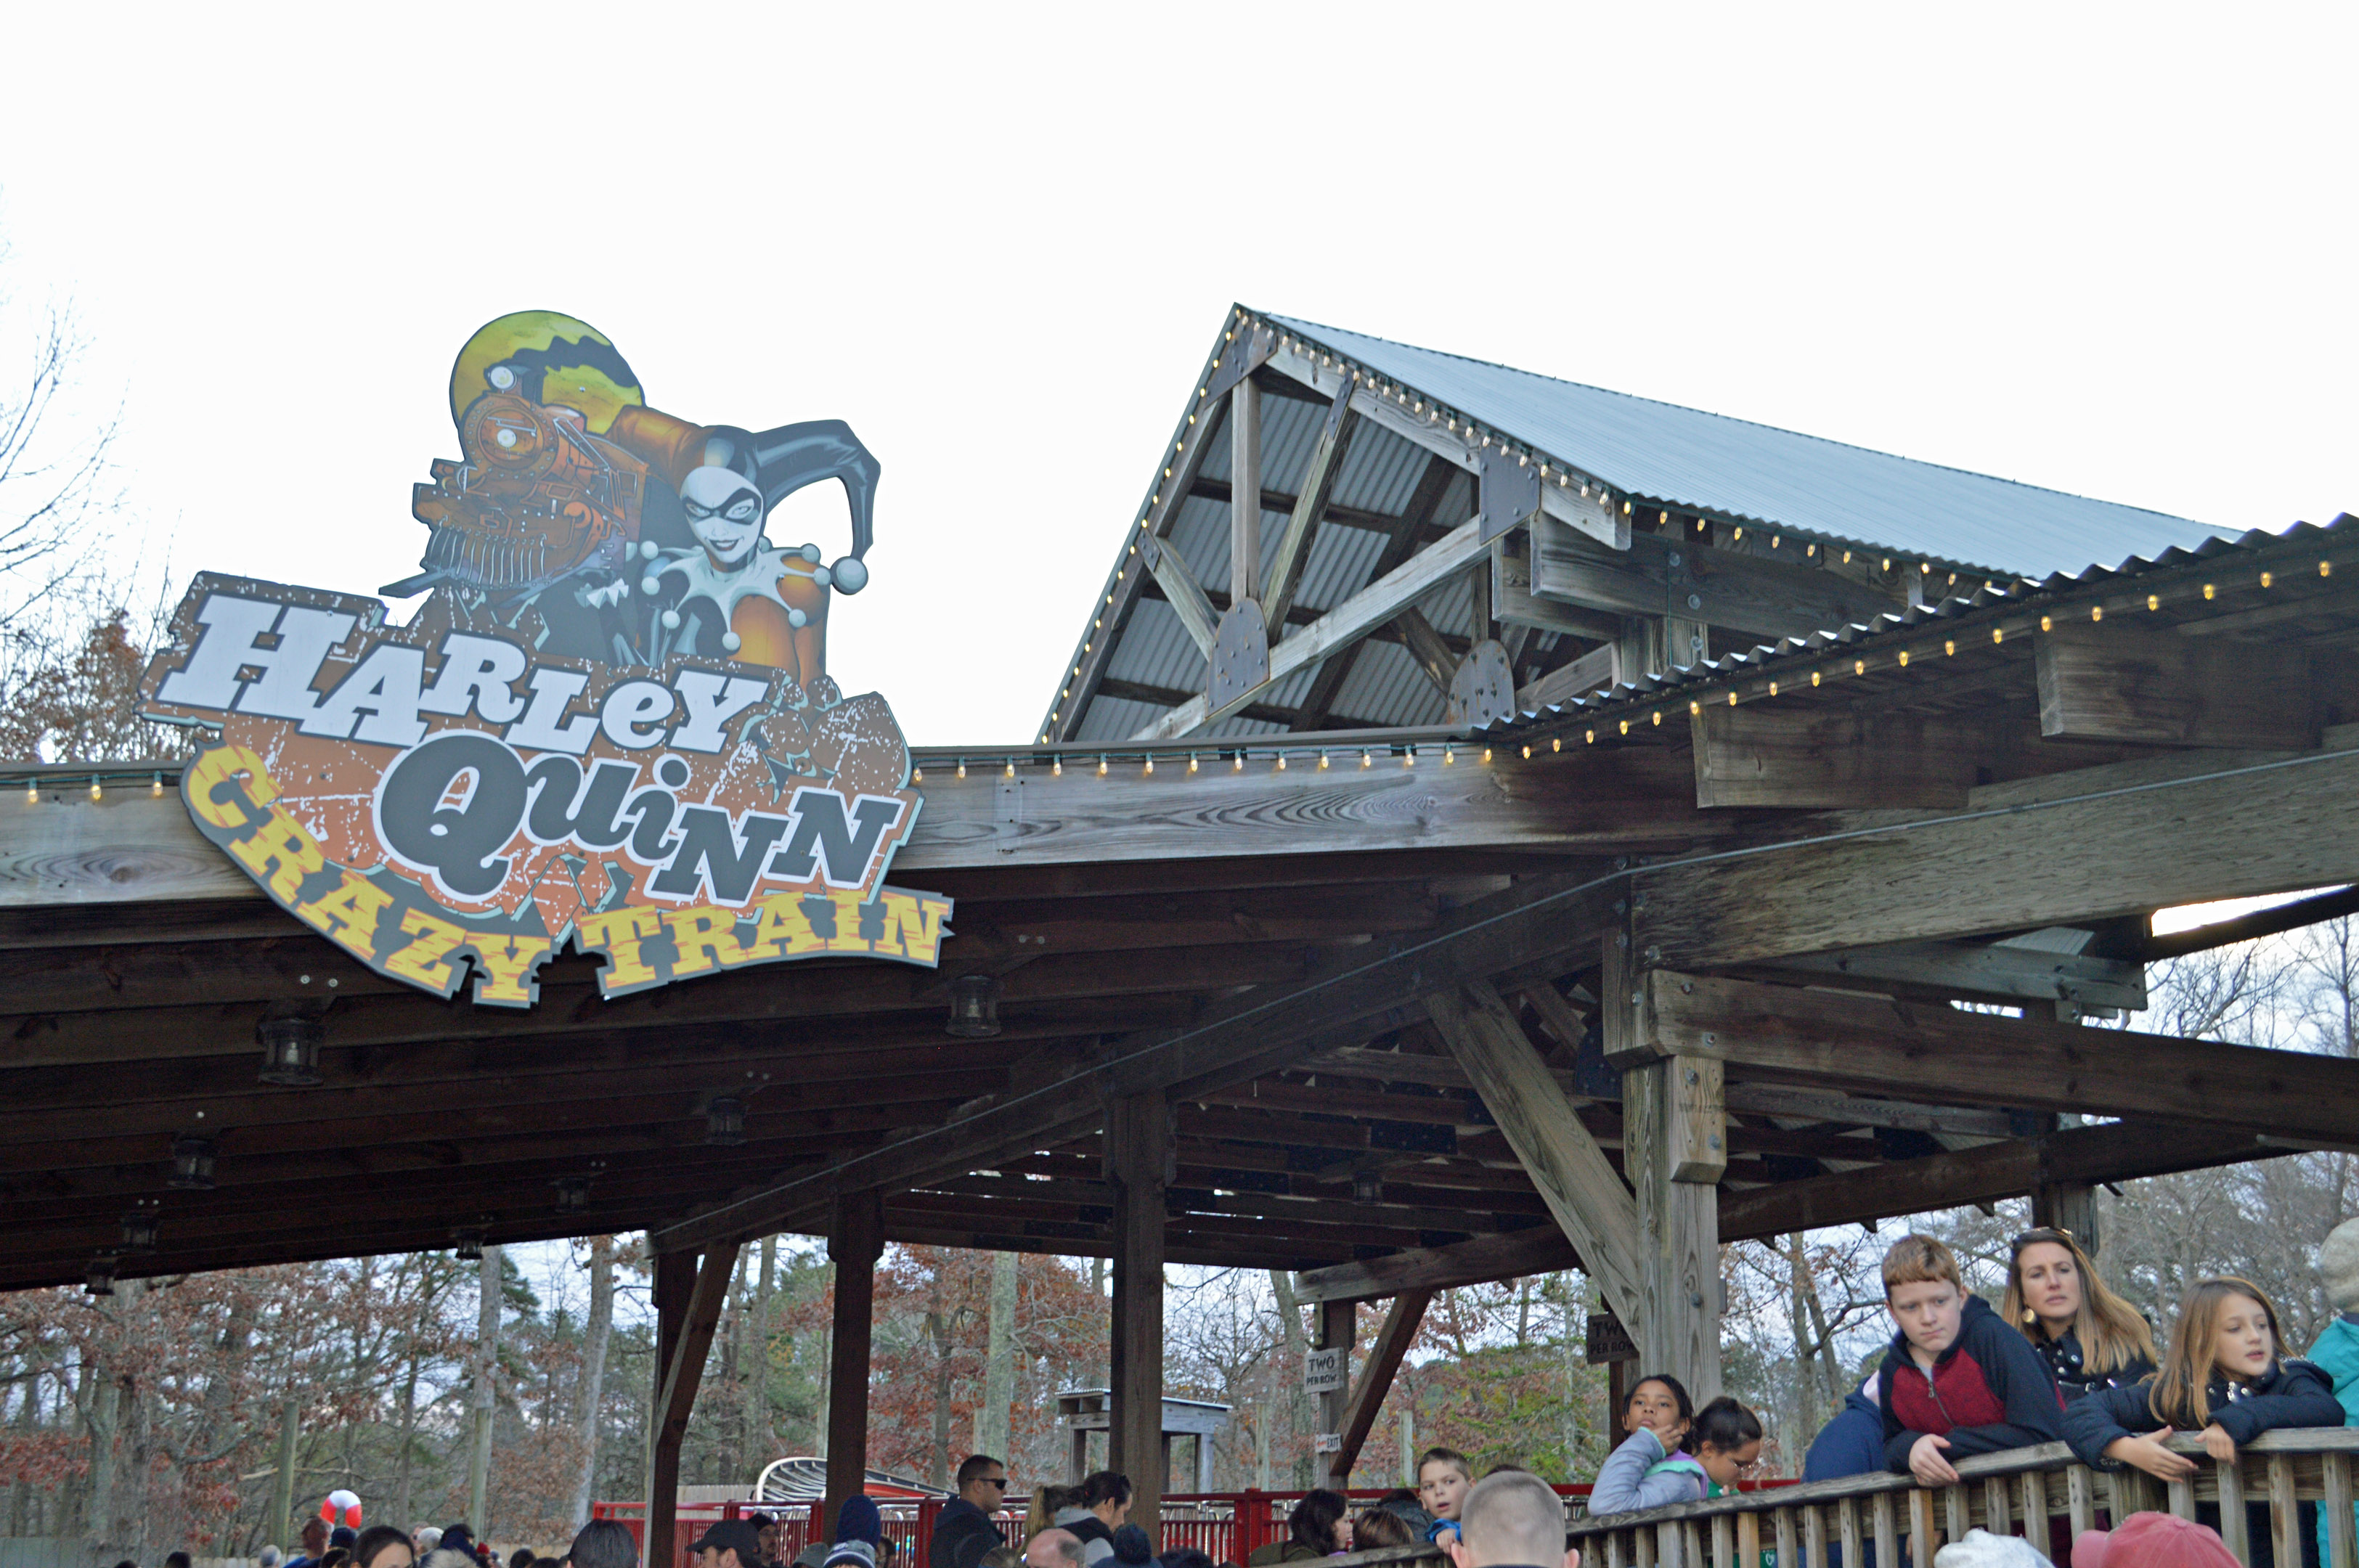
2016 1493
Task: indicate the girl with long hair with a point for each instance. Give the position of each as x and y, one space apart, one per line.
2223 1377
2089 1337
1720 1446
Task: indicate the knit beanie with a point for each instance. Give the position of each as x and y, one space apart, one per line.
2151 1540
858 1520
2338 1265
1132 1547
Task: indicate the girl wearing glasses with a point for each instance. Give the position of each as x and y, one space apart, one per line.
2090 1337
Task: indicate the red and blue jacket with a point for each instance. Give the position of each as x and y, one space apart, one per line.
1989 1390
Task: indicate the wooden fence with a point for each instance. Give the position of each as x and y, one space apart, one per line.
2016 1493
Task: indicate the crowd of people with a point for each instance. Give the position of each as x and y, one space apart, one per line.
2062 1358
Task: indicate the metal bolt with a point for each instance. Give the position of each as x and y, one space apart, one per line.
1636 998
1713 1142
1686 988
1711 1039
1695 1299
1654 955
1695 601
1691 1077
1675 558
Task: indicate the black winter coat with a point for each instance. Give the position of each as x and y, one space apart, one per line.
2291 1393
2073 1379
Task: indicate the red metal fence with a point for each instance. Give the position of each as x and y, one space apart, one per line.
1225 1526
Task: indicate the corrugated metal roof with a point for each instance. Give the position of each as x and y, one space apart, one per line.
1709 462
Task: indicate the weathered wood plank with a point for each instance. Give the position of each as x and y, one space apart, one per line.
1576 677
2068 848
2117 682
1513 601
1245 492
1588 1200
1376 1380
1676 1224
1309 504
1790 1035
1762 756
1426 646
137 847
1138 1157
1185 595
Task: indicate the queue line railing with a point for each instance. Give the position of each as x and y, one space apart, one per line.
2026 1491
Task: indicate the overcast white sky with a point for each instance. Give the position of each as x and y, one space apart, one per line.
2101 249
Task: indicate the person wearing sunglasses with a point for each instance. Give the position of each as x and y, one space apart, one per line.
966 1530
2090 1337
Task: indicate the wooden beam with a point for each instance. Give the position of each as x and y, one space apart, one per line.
1575 677
674 1282
1239 1037
1513 601
1587 1199
1763 756
1245 492
1139 1147
1309 505
2116 1153
145 849
2069 1206
855 1243
2092 845
1788 1034
2117 682
1181 590
1989 969
1677 1223
1402 1321
1707 585
1347 622
1338 1330
678 1374
1426 646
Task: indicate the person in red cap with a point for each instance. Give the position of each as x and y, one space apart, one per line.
2152 1541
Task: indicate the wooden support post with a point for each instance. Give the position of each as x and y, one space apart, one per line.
674 1283
855 1243
2068 1205
1140 1154
1670 1128
1375 1378
1338 1326
1310 503
1245 492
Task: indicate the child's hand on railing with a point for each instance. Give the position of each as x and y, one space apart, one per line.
2218 1444
1926 1464
2149 1454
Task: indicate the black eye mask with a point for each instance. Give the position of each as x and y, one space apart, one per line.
742 507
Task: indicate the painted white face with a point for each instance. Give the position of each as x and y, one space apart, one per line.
725 512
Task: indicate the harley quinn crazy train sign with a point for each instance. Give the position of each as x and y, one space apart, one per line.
611 722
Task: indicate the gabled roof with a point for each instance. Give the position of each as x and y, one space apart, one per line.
1749 473
1410 474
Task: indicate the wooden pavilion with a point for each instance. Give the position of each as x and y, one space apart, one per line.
1488 825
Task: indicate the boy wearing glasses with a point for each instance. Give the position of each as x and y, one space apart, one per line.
964 1531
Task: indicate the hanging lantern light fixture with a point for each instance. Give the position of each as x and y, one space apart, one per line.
290 1050
572 1193
725 1121
139 1231
193 1162
468 1240
100 1282
975 1007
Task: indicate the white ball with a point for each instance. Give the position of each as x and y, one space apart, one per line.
851 575
671 619
647 549
809 553
821 575
650 584
797 619
731 642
